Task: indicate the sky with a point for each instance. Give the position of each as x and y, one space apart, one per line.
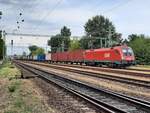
49 16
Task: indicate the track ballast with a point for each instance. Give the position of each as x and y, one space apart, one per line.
110 101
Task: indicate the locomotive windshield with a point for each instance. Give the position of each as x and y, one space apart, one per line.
127 51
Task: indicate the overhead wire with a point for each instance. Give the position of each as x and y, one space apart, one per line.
49 13
117 6
99 5
59 2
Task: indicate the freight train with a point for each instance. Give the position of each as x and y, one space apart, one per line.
118 56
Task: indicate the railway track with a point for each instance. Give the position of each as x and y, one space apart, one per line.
129 71
109 101
103 76
135 69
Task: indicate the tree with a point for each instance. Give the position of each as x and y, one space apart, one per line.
141 47
74 45
125 41
60 42
40 51
85 42
35 50
32 49
100 28
55 43
133 37
65 32
0 34
65 41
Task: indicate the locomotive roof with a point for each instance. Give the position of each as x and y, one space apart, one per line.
106 49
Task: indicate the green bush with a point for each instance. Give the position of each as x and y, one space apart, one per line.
12 88
141 47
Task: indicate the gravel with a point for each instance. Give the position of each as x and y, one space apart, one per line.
60 100
136 91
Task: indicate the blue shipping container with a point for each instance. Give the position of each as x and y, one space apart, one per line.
41 57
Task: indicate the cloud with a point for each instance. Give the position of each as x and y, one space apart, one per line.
44 17
47 17
18 3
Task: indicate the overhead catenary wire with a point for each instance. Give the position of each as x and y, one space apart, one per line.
59 1
33 9
49 13
117 6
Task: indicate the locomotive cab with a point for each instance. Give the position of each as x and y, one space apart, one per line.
128 56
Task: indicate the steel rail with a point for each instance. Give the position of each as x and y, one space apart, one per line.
120 71
90 92
91 101
134 69
104 76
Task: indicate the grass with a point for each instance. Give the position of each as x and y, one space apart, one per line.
23 99
13 86
147 67
18 95
8 70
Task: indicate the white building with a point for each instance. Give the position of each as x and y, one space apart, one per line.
19 44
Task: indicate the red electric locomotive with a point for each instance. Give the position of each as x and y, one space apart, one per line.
119 56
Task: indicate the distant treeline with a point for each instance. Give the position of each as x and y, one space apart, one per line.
141 47
101 32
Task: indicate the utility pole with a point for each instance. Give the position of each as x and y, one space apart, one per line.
4 41
101 42
62 46
0 14
12 48
105 42
109 36
90 44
